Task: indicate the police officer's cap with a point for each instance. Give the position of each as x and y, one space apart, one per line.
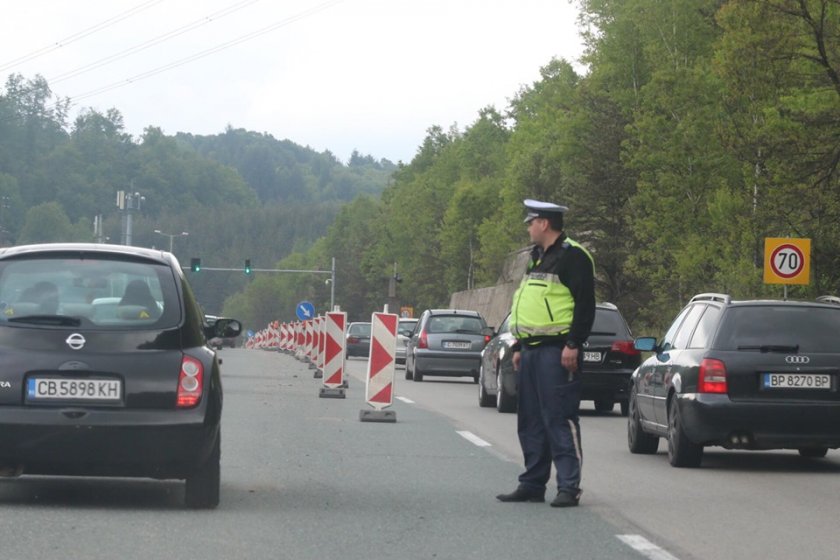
539 209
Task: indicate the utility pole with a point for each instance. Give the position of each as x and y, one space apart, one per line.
128 203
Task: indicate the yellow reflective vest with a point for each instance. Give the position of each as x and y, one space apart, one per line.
542 305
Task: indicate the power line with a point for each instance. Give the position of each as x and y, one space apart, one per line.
192 58
79 35
152 42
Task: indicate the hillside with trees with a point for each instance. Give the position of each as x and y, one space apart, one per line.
699 128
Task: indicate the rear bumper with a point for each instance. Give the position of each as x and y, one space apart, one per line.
150 443
358 349
715 420
605 384
453 364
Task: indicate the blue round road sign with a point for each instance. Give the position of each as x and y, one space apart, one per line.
305 310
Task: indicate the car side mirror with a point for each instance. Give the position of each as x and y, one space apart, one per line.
646 344
227 328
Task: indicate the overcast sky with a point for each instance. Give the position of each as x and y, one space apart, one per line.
338 75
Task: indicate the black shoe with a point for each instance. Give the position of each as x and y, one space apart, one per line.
522 495
566 499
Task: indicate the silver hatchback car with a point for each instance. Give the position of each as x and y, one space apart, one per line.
446 342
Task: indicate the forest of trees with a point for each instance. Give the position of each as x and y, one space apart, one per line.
698 128
690 131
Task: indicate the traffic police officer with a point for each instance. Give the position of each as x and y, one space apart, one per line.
551 316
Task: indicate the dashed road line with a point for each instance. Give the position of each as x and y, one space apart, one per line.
474 439
405 400
646 548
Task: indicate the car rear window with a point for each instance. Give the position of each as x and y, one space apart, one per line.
455 324
360 329
99 292
609 323
813 329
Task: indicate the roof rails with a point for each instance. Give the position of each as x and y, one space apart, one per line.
829 299
723 298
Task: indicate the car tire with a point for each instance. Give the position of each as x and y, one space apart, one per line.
813 452
407 372
202 487
638 441
485 400
625 407
604 405
416 374
505 402
682 452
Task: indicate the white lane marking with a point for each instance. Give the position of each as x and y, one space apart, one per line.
646 548
405 400
474 439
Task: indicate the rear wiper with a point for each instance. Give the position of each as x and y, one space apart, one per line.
466 331
772 348
598 333
57 320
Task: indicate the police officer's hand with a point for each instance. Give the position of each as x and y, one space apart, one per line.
569 359
515 358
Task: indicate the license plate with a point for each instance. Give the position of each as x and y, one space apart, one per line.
591 356
796 381
44 388
458 345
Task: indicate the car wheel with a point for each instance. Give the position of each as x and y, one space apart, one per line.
407 372
604 405
485 399
625 407
682 452
813 452
202 487
639 441
505 402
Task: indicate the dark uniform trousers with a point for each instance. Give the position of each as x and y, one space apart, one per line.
548 424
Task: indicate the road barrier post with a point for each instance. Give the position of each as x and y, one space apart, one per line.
379 383
334 345
314 356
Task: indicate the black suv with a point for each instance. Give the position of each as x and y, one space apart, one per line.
104 368
609 358
758 374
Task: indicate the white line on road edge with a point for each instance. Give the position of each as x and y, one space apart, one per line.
405 400
474 439
645 547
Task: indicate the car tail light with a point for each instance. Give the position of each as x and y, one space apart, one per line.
353 339
423 341
712 377
190 382
487 338
625 347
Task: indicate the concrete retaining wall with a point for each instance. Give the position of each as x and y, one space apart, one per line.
493 302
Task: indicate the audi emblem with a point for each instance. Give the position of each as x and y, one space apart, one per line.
75 341
797 359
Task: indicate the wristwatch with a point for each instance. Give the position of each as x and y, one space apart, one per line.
571 344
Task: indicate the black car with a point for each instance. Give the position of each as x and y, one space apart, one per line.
104 368
609 358
358 339
756 374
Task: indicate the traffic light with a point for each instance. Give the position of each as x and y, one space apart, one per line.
247 266
195 264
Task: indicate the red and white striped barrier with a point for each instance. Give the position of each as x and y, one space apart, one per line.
308 333
314 355
334 343
379 384
322 340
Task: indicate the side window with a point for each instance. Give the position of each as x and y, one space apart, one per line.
687 328
668 339
705 328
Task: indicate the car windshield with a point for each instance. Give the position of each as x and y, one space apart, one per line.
406 327
72 291
811 329
455 324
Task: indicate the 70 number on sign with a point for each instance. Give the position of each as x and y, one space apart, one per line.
787 261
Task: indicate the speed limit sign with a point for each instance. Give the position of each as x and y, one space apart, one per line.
787 260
